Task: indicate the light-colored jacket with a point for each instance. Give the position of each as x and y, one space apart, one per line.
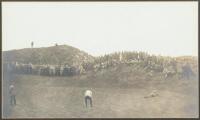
88 93
12 90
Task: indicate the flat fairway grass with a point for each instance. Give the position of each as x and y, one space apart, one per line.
63 97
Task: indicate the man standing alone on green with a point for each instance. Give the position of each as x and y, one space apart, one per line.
12 93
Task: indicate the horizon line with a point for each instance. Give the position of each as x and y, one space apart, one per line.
121 51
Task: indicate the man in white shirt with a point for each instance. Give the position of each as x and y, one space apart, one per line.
88 96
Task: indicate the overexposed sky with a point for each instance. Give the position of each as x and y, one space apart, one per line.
161 28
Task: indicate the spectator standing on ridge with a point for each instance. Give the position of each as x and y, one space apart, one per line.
32 44
88 96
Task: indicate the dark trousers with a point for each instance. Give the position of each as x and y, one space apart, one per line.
12 100
90 100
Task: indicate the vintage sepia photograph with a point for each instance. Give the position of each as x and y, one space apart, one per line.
100 59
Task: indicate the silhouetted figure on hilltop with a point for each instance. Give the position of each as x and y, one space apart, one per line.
32 43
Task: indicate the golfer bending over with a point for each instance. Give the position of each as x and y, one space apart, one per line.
88 96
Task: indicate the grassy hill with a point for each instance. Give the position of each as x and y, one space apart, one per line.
119 81
147 65
61 54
